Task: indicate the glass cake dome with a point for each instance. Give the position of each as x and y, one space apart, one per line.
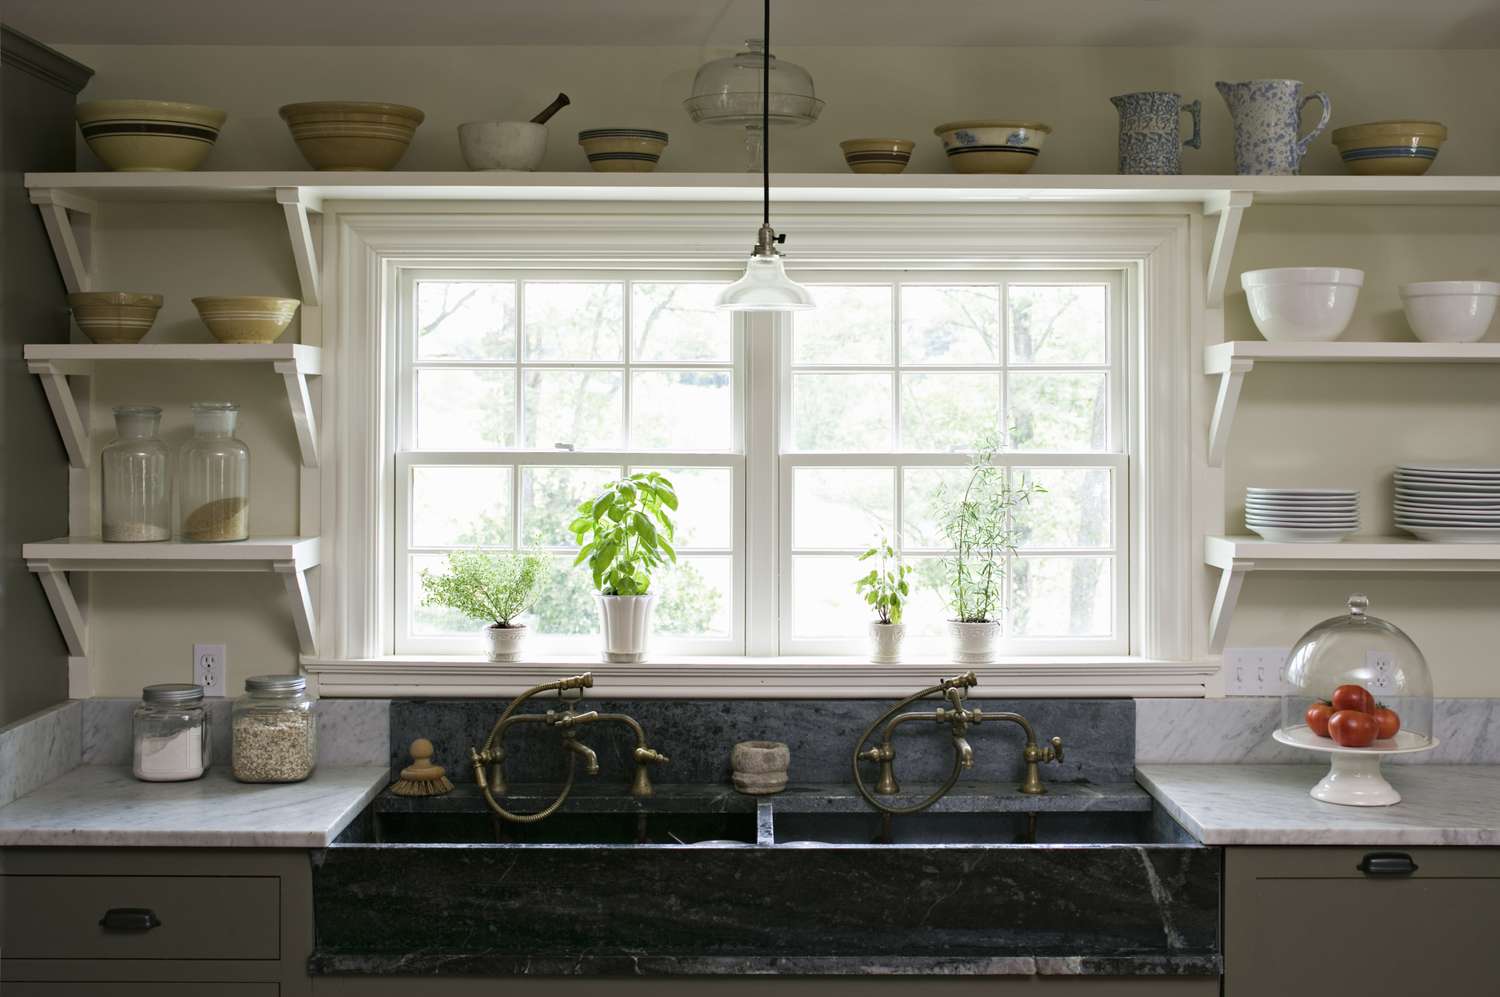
727 92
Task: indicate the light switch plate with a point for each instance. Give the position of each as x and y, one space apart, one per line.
210 662
1253 671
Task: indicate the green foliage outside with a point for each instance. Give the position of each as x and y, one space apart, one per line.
498 587
625 532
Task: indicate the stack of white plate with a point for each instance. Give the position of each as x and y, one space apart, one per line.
1302 515
1449 504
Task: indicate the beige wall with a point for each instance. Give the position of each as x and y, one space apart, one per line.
1323 425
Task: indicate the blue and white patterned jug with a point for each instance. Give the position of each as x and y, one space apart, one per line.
1150 131
1267 114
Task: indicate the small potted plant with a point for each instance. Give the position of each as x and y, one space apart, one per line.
980 528
885 590
624 534
495 587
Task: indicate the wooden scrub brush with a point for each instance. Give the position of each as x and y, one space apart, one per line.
421 777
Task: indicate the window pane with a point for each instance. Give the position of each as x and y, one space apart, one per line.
705 505
565 605
584 408
574 321
678 322
842 506
1061 597
851 325
927 613
681 410
1059 411
824 603
1074 511
550 497
954 325
694 597
466 409
461 506
948 412
436 620
466 320
928 492
841 411
1064 325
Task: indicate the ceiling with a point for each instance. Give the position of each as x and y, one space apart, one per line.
1344 24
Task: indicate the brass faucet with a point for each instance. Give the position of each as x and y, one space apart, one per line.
959 719
489 761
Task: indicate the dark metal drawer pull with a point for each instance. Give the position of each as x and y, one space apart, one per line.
129 919
1387 864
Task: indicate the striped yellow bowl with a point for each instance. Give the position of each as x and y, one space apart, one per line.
114 316
247 318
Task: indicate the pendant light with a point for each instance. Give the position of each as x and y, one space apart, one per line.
765 286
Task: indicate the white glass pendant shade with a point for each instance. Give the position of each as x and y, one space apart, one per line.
765 288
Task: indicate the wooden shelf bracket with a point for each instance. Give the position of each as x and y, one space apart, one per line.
1231 578
65 411
295 373
1231 380
1230 206
296 203
69 221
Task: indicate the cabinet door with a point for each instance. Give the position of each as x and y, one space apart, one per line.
218 989
1322 921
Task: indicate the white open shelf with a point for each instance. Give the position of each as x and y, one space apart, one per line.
1237 556
1230 362
290 557
55 362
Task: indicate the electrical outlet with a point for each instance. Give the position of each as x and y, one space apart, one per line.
210 662
1253 671
1382 668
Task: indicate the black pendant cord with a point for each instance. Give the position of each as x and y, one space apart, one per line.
765 116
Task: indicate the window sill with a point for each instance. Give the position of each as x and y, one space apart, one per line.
795 677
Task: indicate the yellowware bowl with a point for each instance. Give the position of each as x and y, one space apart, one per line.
350 134
114 316
1390 148
149 135
622 150
877 155
992 146
246 319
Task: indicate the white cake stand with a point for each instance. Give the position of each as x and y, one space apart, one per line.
1354 778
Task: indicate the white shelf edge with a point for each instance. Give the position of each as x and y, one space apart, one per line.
62 549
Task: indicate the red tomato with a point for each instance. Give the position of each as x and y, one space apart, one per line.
1353 697
1387 720
1352 729
1317 717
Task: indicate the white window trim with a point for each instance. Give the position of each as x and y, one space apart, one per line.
1157 247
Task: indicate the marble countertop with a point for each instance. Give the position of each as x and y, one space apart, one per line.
101 805
1270 805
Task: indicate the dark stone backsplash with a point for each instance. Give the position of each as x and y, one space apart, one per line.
1098 738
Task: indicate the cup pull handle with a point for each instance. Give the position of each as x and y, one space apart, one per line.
1387 864
1196 110
1306 140
129 919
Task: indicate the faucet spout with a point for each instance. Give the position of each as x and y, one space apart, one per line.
590 759
965 753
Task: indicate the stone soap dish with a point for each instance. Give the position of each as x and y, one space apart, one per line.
760 767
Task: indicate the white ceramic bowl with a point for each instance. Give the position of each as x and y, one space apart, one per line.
502 145
1450 311
1302 304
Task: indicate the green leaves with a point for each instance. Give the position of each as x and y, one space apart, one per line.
884 588
980 527
497 587
625 532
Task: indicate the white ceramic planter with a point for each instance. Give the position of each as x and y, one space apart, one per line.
885 642
974 643
626 621
505 643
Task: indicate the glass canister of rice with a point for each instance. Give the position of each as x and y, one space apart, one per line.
273 730
213 477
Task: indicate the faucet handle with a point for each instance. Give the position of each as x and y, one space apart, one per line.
644 755
1054 752
967 680
584 681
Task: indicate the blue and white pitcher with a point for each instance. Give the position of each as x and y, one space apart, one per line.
1151 131
1267 114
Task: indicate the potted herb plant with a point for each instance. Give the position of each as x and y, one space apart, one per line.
624 534
885 590
496 587
980 529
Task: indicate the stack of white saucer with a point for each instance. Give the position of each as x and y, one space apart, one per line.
1302 515
1449 504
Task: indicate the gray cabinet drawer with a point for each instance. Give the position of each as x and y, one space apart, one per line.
141 989
202 917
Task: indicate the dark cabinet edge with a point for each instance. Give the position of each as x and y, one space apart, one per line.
31 56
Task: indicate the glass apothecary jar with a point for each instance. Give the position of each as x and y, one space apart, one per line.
171 734
273 730
136 492
213 477
727 91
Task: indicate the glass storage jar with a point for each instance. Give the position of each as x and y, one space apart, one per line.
213 477
136 493
274 731
170 731
727 91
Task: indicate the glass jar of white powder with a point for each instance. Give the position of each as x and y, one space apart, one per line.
274 731
171 734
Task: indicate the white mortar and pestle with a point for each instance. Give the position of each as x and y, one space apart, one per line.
508 145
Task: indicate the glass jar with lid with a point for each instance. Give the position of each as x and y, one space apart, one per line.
213 477
727 91
1358 688
274 730
170 732
135 490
